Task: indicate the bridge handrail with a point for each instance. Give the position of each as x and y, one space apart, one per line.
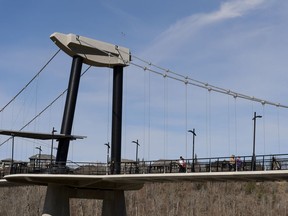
213 164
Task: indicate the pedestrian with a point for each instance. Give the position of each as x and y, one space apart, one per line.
275 164
232 163
182 165
239 163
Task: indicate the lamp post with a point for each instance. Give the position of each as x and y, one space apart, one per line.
39 155
107 160
51 158
193 147
137 144
253 165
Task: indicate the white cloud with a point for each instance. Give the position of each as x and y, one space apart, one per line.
181 32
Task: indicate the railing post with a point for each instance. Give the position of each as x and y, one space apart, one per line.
210 165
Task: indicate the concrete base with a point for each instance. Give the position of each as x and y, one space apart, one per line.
114 204
57 200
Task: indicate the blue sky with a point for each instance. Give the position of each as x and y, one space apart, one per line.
234 44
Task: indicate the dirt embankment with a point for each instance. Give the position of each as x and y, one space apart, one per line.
166 199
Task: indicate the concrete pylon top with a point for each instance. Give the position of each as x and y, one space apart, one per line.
94 53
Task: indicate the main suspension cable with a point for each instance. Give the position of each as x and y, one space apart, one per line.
182 78
209 87
41 112
37 74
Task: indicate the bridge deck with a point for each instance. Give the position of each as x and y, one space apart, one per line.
136 181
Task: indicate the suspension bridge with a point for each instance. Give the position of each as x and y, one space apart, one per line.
161 104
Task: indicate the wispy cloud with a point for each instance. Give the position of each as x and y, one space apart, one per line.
181 32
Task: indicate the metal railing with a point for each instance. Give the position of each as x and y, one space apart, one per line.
214 164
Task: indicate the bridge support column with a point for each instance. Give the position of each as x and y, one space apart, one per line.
116 119
56 201
58 196
114 203
69 109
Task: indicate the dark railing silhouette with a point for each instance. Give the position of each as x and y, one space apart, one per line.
214 164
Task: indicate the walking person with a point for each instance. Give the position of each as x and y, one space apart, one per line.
275 164
182 165
232 163
239 163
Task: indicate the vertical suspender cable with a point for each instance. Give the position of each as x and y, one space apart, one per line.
229 137
147 95
235 117
125 112
207 124
167 116
149 110
108 102
145 110
36 107
186 117
264 129
278 127
209 114
109 98
165 112
36 101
